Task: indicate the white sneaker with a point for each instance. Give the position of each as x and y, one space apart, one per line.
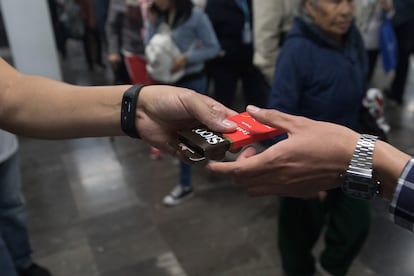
320 271
177 195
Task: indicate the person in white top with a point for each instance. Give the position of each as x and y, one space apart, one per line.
200 3
368 18
272 20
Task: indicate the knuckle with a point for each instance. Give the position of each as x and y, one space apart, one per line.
238 172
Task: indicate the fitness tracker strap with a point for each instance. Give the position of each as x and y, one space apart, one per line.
128 110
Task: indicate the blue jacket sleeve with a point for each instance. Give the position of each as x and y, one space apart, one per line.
207 46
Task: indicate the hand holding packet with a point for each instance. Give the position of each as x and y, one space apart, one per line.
201 143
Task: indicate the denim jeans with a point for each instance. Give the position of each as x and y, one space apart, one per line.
199 85
15 250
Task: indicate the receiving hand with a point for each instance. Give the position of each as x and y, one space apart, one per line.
309 161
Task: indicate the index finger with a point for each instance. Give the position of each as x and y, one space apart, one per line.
273 118
243 166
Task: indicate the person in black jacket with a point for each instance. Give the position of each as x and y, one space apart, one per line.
232 22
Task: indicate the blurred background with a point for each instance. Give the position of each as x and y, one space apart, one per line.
97 206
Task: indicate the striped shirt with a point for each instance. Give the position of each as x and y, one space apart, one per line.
402 204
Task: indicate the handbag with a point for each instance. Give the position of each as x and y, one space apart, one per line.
137 70
388 44
160 54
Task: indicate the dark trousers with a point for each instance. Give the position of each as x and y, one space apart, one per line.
101 10
225 76
405 38
15 249
92 46
120 73
301 222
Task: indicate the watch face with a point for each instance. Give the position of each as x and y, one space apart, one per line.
359 186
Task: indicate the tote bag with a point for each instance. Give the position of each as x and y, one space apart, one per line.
160 53
388 44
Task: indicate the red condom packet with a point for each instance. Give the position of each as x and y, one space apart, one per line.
201 143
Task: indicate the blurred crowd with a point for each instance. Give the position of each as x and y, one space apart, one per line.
314 58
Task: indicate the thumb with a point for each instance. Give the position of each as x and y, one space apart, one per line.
212 114
272 118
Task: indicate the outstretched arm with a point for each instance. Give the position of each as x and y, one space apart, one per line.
310 160
43 108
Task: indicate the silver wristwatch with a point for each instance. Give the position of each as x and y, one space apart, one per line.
358 180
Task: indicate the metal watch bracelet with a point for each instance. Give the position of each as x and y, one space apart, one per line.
362 158
364 151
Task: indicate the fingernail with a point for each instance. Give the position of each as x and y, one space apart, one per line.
228 123
252 109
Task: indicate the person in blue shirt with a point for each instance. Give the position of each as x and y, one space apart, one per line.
194 36
320 74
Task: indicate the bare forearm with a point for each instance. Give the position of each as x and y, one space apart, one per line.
43 108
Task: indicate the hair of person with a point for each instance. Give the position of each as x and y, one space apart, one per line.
302 12
183 10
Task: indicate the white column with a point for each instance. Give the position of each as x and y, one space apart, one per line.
30 34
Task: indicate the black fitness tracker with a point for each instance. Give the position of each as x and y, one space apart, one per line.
128 110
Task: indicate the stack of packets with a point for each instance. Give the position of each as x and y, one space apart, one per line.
201 143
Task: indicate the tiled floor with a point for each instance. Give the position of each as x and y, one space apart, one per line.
94 207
